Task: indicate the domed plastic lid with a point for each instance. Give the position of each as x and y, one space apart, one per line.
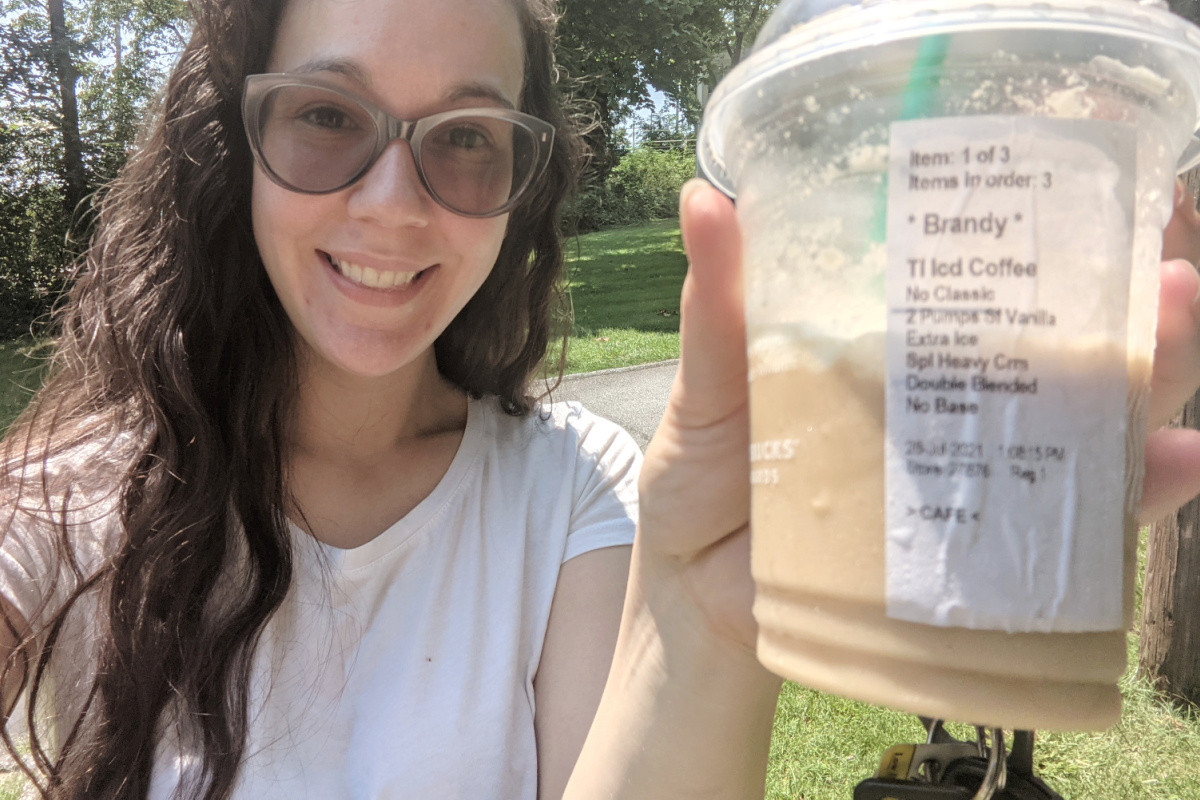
800 31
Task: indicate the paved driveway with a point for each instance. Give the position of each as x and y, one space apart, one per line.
632 397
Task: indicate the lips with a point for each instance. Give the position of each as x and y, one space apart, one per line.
372 278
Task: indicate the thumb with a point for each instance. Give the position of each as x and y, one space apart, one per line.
1181 239
711 383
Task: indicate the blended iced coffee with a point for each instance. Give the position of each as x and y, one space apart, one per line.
951 271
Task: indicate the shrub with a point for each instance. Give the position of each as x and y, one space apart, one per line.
642 187
32 255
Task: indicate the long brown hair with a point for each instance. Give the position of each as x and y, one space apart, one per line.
175 355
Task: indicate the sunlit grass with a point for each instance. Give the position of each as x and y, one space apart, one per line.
824 745
624 289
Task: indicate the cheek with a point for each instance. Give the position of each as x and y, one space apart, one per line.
489 242
276 215
263 216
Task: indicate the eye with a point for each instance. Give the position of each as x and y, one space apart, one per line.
329 118
466 137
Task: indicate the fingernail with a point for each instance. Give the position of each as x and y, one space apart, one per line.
1195 274
687 190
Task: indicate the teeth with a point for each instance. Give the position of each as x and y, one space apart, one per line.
366 276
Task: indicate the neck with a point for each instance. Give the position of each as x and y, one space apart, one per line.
350 418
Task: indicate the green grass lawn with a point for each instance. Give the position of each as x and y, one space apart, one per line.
823 745
19 376
624 289
624 286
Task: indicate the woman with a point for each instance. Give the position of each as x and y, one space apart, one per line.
307 560
251 451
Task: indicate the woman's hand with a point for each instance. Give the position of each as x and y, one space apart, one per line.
695 487
1173 454
1181 239
687 709
695 492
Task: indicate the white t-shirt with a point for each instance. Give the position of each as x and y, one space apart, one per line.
404 668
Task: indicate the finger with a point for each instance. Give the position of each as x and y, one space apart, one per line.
1181 239
1177 355
1172 472
711 383
700 454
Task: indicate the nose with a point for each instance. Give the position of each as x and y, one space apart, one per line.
391 193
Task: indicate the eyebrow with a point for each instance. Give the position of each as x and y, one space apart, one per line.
471 91
466 91
335 65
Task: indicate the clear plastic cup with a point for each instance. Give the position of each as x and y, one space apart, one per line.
952 216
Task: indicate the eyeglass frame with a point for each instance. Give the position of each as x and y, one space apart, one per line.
387 130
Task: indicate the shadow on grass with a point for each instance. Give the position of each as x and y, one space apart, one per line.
627 278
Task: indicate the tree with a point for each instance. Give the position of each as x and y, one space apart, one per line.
63 61
612 52
743 20
132 43
75 76
1169 649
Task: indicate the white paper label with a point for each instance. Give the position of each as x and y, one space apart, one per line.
1009 250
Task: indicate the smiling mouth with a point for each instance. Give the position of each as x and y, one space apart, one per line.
372 278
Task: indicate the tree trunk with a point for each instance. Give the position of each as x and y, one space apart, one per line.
74 174
735 54
599 162
1169 650
741 28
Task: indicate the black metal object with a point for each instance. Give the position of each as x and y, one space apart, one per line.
963 778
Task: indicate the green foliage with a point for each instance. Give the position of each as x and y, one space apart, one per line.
32 255
121 50
130 45
644 186
743 20
612 53
616 49
32 239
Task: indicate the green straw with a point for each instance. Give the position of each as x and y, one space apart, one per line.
918 102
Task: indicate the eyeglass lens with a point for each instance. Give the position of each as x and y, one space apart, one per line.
319 141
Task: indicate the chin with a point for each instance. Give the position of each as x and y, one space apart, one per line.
372 357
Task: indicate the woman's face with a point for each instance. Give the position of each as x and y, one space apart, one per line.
411 58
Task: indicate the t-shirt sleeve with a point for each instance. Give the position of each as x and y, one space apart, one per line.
37 573
604 513
27 563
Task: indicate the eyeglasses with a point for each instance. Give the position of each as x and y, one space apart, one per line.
316 138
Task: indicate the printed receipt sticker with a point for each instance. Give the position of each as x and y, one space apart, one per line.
1009 254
